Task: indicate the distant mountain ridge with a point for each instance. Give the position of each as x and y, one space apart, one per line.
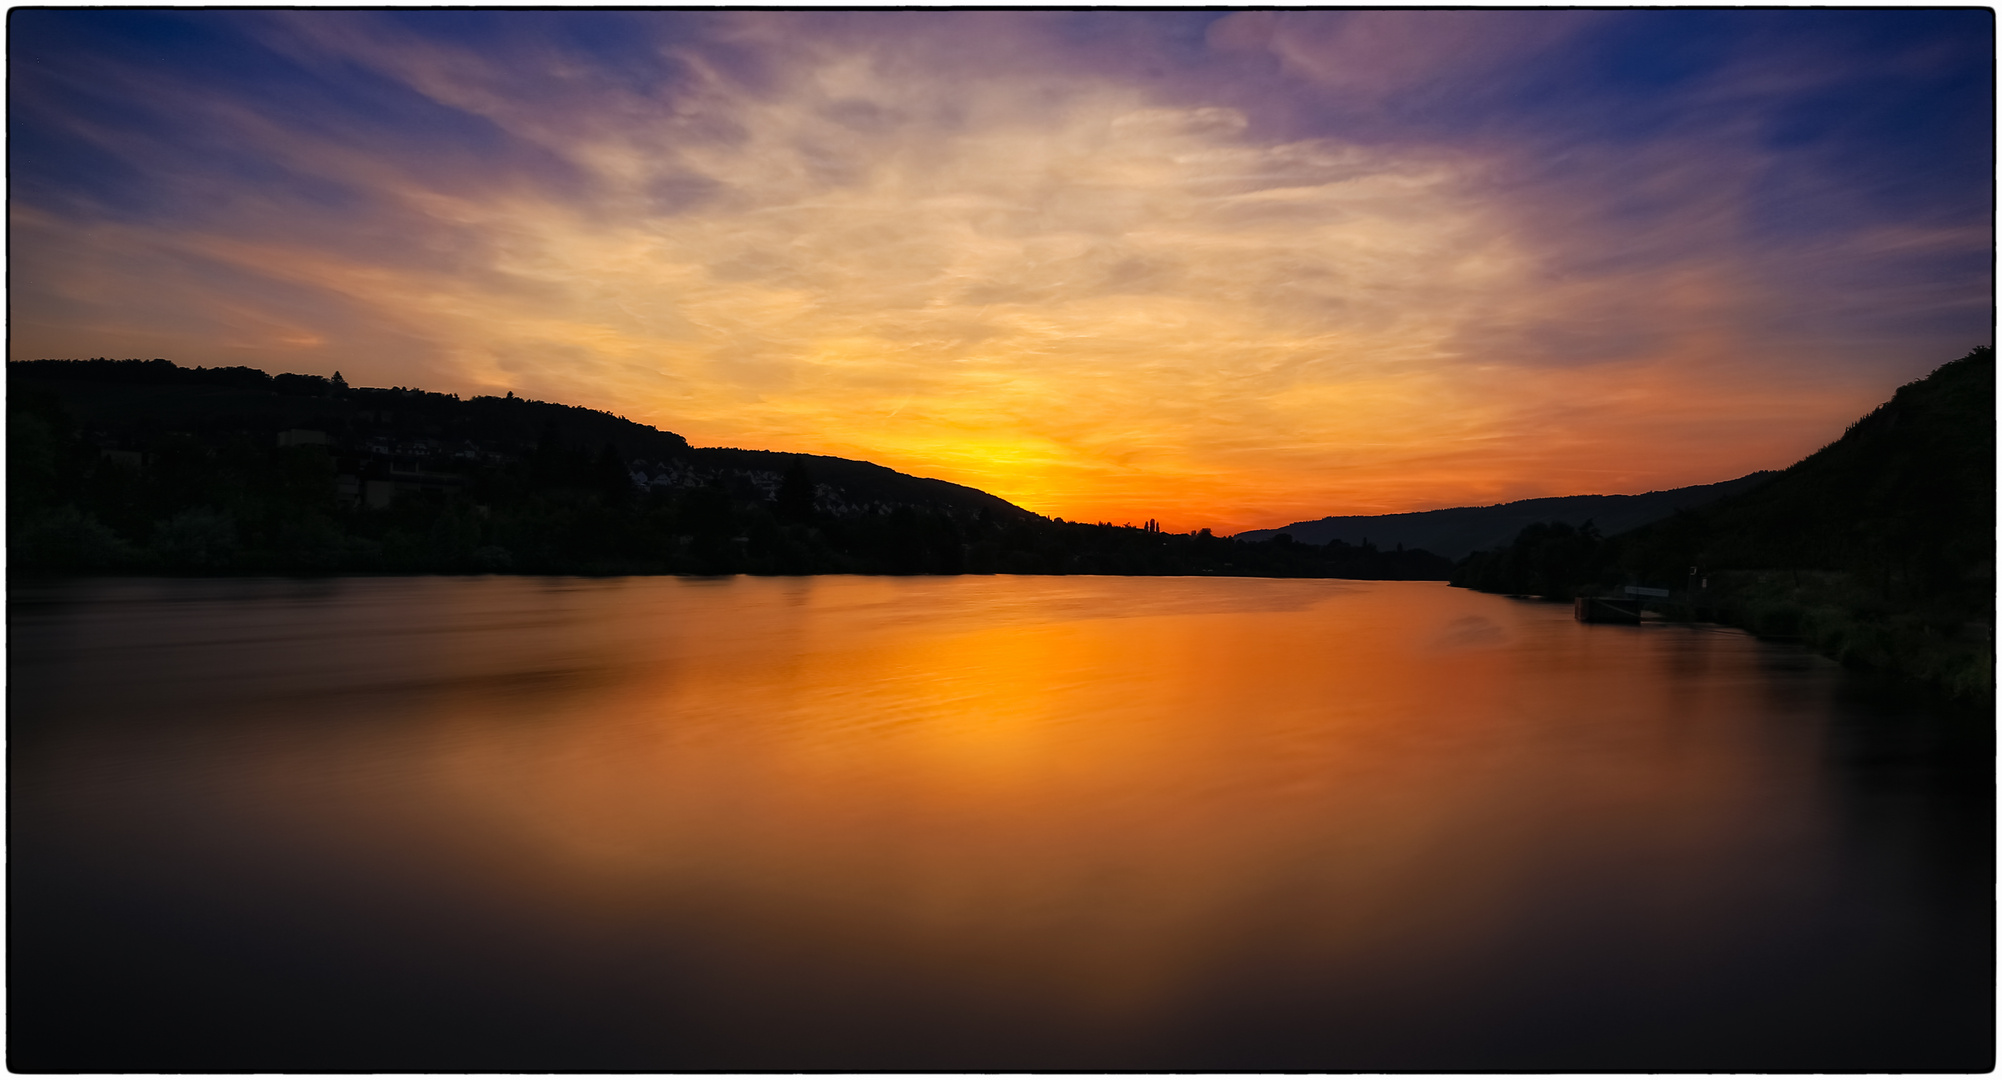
1461 530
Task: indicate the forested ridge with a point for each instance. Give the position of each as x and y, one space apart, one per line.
144 466
1877 550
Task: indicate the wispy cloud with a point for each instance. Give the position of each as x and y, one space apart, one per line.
953 243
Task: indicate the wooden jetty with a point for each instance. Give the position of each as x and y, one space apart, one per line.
1625 608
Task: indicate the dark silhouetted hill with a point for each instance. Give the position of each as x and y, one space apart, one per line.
142 466
137 400
1461 530
1877 549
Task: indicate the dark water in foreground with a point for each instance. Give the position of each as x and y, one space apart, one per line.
970 824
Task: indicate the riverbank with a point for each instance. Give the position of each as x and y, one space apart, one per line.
1830 613
1877 550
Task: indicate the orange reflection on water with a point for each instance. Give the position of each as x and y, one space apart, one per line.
972 824
1078 793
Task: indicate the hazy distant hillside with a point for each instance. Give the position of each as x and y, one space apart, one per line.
1456 532
853 486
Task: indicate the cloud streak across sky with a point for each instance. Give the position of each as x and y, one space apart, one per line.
1222 269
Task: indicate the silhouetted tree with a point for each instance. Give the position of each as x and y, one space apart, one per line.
795 498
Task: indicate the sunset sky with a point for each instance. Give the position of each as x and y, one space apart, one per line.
1227 270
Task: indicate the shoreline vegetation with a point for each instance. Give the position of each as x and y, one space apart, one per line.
1877 550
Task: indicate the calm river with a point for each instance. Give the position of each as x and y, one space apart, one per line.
974 823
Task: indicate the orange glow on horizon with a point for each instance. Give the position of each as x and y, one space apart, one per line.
1051 285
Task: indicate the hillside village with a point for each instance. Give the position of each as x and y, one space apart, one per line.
143 466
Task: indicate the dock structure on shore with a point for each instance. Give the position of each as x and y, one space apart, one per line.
1625 608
